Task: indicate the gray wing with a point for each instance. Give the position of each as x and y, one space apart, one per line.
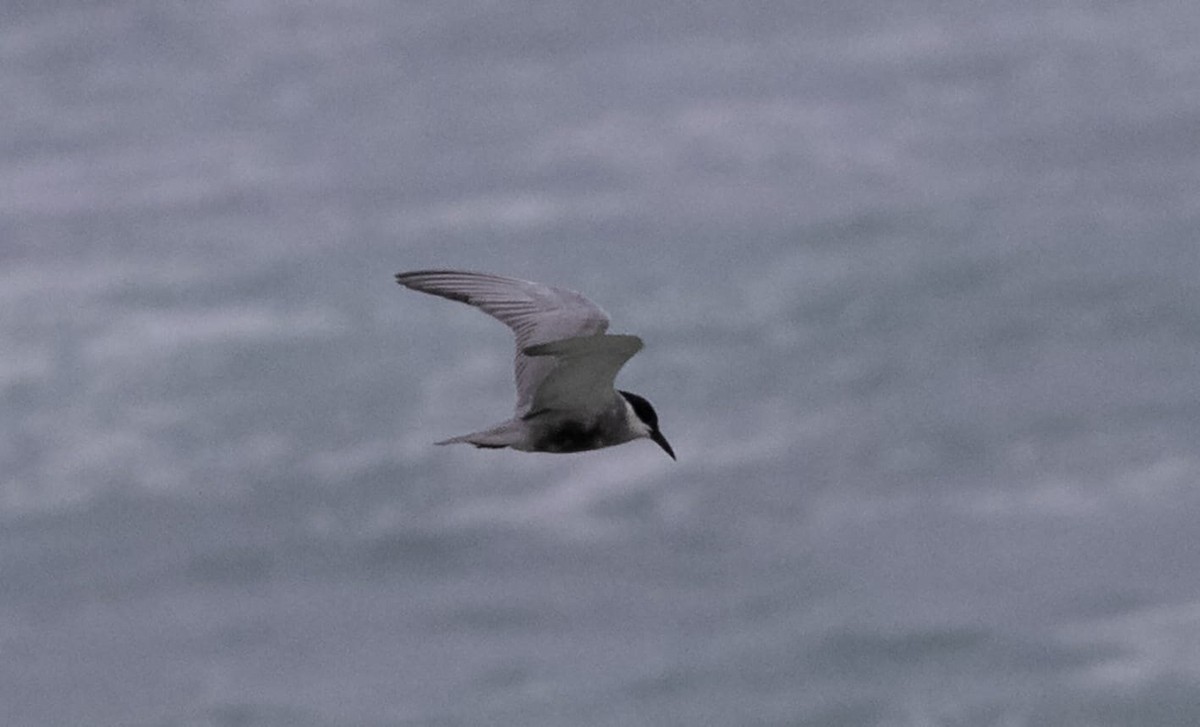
536 313
584 371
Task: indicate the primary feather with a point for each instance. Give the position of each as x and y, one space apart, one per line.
536 313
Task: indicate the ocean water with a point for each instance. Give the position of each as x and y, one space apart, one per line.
918 284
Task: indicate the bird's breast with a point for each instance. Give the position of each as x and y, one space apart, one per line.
571 436
576 434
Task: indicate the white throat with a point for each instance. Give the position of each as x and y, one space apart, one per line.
635 425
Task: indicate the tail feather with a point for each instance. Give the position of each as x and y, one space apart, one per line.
467 439
498 437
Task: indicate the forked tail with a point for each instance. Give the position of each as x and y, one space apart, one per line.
498 437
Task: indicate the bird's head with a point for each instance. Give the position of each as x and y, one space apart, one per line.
648 420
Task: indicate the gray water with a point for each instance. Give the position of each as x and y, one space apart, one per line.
918 284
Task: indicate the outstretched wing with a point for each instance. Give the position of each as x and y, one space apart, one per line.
536 313
584 371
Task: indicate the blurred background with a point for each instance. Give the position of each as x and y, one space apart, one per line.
917 282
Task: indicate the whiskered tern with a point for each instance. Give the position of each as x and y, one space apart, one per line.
565 365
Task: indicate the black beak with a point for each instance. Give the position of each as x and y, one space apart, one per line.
661 441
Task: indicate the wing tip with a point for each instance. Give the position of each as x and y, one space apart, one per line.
401 277
435 282
412 275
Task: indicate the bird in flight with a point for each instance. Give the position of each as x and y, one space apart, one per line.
565 366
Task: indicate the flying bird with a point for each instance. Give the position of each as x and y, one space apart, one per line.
565 366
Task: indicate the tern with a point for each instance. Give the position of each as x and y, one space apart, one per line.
565 364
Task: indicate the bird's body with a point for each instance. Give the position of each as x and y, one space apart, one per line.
565 365
554 431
